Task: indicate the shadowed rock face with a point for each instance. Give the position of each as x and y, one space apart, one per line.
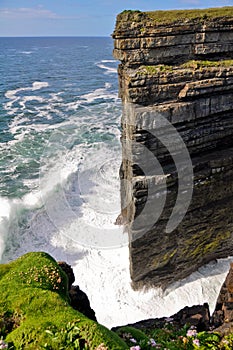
78 299
68 271
182 73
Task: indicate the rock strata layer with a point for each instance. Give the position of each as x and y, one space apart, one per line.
176 85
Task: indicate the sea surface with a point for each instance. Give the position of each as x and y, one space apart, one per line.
59 135
59 184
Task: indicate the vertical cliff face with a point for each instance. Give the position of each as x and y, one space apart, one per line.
176 85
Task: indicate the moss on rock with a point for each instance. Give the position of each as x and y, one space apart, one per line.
35 311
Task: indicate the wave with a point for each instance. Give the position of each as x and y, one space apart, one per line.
108 271
108 69
101 93
12 107
26 52
87 205
35 112
35 86
62 203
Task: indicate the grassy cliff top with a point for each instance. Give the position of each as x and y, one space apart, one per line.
161 17
176 15
35 312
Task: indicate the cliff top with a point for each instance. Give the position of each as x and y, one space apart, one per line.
129 19
163 17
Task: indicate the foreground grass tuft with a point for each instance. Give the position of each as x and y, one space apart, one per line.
35 311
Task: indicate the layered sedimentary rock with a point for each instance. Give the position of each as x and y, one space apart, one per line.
176 85
222 319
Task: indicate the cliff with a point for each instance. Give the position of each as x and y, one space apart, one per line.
176 84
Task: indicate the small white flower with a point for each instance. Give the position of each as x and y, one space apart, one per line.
133 340
152 342
3 345
137 347
196 342
191 333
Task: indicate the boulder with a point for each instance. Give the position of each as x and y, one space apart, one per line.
197 316
80 302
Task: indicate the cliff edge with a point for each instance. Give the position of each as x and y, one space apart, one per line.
35 310
176 84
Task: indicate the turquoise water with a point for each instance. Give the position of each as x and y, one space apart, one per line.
59 139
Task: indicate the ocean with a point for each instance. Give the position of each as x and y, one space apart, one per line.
59 174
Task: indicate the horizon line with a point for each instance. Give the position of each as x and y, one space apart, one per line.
56 36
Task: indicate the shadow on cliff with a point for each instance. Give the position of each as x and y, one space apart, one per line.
217 269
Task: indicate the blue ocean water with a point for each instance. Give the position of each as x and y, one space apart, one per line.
59 139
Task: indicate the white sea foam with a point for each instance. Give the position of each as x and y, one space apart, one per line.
11 212
4 218
87 209
26 99
63 208
109 283
99 94
26 52
104 64
108 61
37 85
14 98
57 200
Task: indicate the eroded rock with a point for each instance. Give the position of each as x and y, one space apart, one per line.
180 72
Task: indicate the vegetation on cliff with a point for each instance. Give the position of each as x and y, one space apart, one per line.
35 311
171 338
192 64
163 17
173 16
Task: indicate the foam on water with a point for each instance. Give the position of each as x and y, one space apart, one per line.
109 284
26 52
11 106
107 68
99 94
108 281
35 86
88 203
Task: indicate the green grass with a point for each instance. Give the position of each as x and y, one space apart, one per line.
172 16
172 338
196 64
182 15
35 311
193 64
